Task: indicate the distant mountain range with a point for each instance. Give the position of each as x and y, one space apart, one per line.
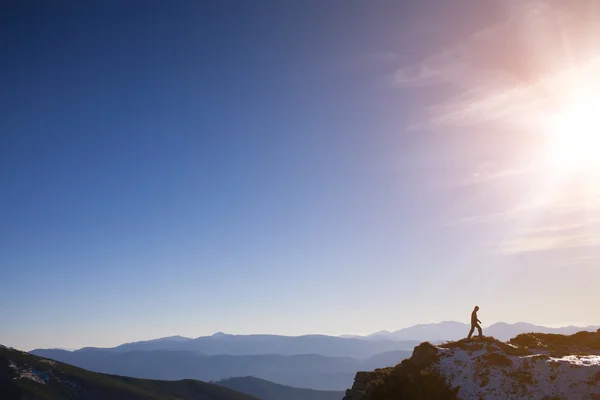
266 390
305 371
452 330
245 345
353 346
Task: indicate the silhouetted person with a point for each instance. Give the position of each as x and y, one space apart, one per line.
475 323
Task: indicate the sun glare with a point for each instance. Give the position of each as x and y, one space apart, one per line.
576 134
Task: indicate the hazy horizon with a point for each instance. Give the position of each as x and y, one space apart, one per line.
184 168
141 339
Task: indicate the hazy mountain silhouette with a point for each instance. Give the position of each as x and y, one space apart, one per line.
266 390
453 330
154 344
447 330
503 331
221 343
305 371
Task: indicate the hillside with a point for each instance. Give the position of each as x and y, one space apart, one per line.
266 390
25 376
306 371
529 366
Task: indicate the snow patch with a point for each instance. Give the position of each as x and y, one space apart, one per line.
27 372
489 373
579 360
46 361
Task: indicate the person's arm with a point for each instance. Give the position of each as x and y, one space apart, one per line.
478 321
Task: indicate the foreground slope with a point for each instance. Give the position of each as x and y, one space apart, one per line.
25 376
529 366
266 390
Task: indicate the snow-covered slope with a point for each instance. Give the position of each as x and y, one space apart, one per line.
484 369
529 366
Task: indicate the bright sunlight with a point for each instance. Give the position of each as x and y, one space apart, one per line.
576 133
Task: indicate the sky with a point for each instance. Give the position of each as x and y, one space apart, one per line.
339 167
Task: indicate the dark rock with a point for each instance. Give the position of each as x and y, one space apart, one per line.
424 354
362 380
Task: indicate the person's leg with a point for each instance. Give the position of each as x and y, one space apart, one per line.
479 330
471 331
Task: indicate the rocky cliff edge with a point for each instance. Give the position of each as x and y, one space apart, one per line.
529 366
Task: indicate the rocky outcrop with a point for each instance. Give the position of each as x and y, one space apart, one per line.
530 366
363 380
424 354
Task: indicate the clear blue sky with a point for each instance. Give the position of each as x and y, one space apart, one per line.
289 167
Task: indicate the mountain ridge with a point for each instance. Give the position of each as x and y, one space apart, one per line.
455 330
433 332
330 346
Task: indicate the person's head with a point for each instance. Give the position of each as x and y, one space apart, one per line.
476 308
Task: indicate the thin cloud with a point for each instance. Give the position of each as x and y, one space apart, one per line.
487 173
563 228
547 243
560 210
581 261
524 104
563 222
473 63
437 69
510 71
510 214
571 233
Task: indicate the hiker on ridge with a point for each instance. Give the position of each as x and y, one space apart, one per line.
475 323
